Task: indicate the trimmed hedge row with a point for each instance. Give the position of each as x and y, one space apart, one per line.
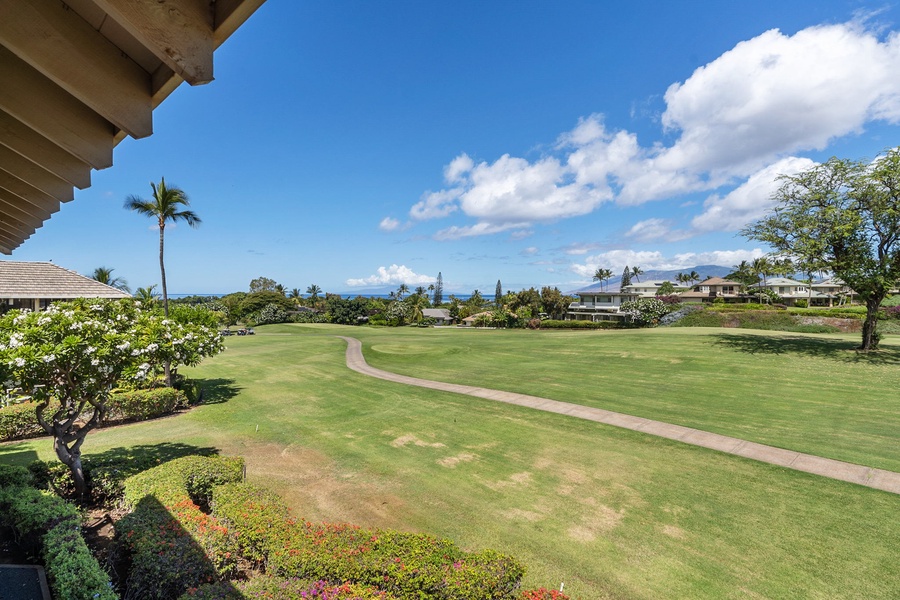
140 405
407 566
172 543
551 324
48 522
19 421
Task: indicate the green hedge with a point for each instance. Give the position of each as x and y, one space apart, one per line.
285 588
172 543
53 525
140 405
405 565
552 324
19 421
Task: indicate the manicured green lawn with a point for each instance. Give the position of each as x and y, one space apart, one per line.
612 513
811 393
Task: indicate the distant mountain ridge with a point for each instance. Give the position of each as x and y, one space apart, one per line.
705 272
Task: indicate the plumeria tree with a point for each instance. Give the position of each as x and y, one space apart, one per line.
68 358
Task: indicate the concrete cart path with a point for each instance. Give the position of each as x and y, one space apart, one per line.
879 479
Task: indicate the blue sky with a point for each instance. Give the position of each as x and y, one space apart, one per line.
361 144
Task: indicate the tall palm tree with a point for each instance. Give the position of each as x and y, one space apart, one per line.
165 205
602 275
281 289
693 276
313 292
403 289
104 276
637 272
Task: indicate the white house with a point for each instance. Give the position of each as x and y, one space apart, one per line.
599 306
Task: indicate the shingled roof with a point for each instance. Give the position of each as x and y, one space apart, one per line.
47 280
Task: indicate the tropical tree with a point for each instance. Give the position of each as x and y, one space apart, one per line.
420 291
693 276
761 267
147 295
295 295
104 276
602 275
403 289
313 291
263 284
416 305
743 273
166 205
281 290
498 294
844 216
666 289
68 358
637 272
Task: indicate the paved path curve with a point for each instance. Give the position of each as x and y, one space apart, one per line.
879 479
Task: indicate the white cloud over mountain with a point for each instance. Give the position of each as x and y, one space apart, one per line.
739 122
616 260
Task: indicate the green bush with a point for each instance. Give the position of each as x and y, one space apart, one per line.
251 511
406 565
19 421
552 324
54 526
14 476
842 312
140 405
283 588
172 543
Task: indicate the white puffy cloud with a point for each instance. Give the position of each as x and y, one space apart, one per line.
750 201
389 224
393 275
776 94
734 119
530 251
616 260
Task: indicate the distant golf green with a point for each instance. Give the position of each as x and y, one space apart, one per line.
610 513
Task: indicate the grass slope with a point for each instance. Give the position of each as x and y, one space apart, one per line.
612 513
810 393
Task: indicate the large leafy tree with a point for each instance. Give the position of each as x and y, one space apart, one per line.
104 275
68 358
166 205
843 216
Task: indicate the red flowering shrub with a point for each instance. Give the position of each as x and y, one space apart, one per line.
405 565
281 588
172 543
542 594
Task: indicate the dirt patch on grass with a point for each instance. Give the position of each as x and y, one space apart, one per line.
599 521
518 514
316 490
451 461
403 440
673 531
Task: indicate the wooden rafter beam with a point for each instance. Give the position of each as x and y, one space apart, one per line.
59 43
27 192
35 175
179 33
13 207
20 138
61 118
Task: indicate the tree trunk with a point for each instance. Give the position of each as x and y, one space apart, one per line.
869 336
71 457
167 368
